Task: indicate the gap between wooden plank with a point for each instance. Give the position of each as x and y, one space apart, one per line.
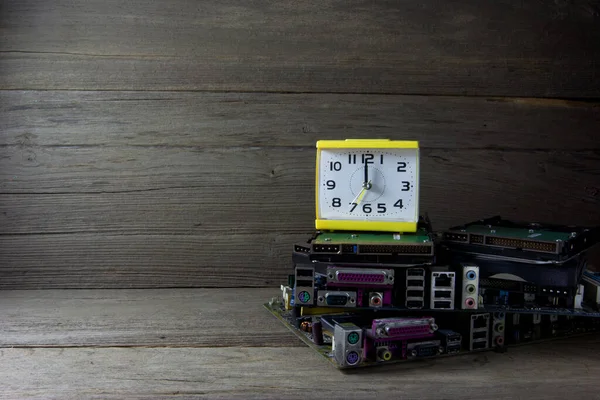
511 48
237 121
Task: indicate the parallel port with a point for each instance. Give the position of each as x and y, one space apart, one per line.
410 327
360 276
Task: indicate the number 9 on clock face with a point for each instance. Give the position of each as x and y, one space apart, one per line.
367 185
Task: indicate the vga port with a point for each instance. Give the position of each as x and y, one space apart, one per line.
425 349
340 299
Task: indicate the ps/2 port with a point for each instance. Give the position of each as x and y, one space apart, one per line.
353 338
352 358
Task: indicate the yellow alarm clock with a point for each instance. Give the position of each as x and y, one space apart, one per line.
367 185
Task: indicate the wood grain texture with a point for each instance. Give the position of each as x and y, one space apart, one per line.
248 190
140 261
558 370
197 169
511 48
109 318
164 217
209 120
203 343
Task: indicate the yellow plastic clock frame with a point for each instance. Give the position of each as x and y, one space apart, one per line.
350 225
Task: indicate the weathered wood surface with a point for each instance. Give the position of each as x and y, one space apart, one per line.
145 261
165 217
187 191
188 160
219 120
238 210
557 371
511 48
209 350
164 317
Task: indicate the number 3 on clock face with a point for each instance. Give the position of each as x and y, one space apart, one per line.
367 185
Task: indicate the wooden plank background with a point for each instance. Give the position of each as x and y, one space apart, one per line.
221 343
171 144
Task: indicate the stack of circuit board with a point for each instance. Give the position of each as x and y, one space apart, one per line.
372 298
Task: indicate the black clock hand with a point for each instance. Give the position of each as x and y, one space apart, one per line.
366 181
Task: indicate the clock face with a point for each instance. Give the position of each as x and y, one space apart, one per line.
368 184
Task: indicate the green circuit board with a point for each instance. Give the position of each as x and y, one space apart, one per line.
542 235
418 237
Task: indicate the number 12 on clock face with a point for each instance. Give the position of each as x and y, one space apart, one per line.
367 185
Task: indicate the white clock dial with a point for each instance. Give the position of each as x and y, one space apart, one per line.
368 184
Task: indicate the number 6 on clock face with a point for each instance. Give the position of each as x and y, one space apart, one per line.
367 185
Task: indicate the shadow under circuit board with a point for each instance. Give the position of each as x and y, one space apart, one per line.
373 338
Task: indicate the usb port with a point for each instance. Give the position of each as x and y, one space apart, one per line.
443 294
479 345
453 349
479 335
414 304
414 293
442 304
415 272
414 282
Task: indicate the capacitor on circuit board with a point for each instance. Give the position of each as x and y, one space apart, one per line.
317 333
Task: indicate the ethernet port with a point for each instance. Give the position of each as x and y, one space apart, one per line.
479 321
443 280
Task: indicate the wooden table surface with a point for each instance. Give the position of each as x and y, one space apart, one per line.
221 343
